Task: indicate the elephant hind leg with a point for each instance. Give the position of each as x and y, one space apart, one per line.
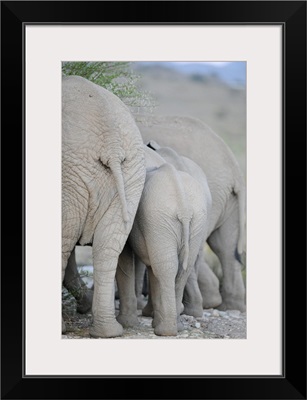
125 277
223 242
162 287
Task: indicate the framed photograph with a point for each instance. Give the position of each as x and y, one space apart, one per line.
237 67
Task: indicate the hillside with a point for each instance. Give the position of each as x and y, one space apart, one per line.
206 96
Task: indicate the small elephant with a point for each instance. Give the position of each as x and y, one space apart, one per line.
169 229
202 278
103 174
192 138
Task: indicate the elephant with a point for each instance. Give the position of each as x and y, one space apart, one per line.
169 229
201 278
103 174
192 138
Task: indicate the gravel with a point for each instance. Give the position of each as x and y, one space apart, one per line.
213 324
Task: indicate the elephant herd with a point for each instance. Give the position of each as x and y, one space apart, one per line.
147 190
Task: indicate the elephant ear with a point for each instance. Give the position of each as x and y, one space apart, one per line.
153 145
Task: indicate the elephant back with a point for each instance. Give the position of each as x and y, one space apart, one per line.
89 113
193 139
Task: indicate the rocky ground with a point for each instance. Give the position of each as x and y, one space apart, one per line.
214 324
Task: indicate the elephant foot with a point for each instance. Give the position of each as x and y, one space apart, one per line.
84 304
141 302
193 310
232 305
147 311
163 327
106 330
212 301
128 321
166 329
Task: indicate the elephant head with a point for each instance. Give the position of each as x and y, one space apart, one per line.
103 173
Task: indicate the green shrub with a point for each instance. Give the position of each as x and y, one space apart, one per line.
117 77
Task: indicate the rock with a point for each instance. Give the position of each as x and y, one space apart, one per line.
234 313
222 313
215 313
197 325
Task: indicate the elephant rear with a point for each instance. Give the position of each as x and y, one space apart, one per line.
103 173
199 201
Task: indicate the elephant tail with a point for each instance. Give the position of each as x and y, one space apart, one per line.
185 221
119 181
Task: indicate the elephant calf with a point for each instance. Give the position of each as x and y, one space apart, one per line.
169 229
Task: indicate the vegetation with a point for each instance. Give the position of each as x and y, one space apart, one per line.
117 77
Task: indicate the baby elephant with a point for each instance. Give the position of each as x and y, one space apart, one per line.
169 229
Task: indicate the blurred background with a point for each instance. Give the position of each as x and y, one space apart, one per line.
214 92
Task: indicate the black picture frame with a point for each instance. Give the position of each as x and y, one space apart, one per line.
292 16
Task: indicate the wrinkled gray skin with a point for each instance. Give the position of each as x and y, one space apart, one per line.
202 278
130 266
192 138
203 282
103 175
169 229
84 295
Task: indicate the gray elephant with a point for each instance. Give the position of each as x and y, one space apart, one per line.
202 279
103 174
192 138
169 229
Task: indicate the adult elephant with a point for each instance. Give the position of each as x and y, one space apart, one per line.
192 138
103 173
